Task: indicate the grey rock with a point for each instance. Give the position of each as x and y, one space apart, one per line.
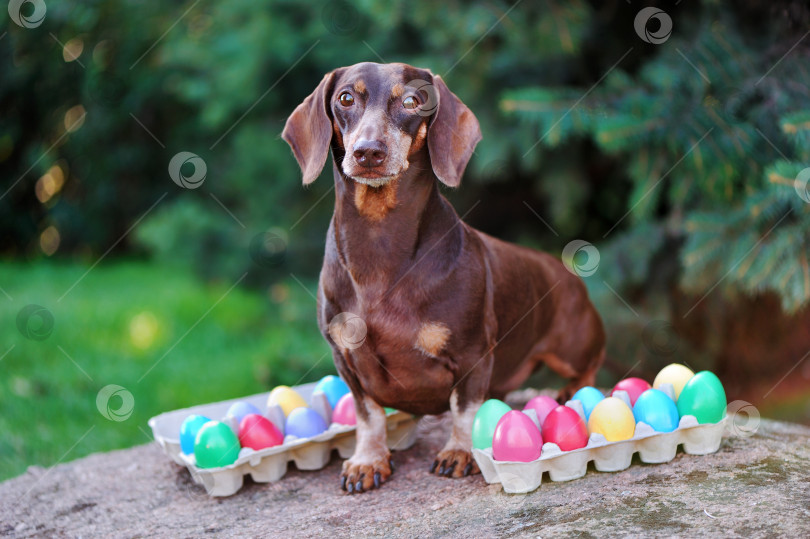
752 487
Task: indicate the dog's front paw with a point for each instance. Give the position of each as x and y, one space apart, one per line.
359 477
454 463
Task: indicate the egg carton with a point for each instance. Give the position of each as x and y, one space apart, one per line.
653 448
270 464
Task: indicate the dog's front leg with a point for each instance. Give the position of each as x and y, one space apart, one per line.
371 463
455 459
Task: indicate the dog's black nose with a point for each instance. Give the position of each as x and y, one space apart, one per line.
370 153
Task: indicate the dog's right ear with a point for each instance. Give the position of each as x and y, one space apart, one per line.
308 130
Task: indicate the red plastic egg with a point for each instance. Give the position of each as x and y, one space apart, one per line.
564 427
516 438
345 413
257 432
541 405
634 387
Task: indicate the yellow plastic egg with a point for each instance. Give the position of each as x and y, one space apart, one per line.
287 398
675 374
613 419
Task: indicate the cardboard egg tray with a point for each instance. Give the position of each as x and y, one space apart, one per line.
270 464
652 447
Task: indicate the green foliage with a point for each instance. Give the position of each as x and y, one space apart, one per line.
711 134
201 342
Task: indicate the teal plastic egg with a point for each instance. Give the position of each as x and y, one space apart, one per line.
486 419
216 445
589 397
703 396
188 432
655 408
333 387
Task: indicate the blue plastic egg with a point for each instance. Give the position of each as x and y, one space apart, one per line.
589 397
188 432
240 409
334 388
304 423
655 408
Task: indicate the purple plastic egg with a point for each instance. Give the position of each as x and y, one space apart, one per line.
516 438
304 423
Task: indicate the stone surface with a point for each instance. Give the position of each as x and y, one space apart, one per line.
752 487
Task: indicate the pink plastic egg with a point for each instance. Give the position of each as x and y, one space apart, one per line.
516 438
634 388
541 405
564 427
345 413
257 432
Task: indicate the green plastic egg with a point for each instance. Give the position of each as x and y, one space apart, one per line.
703 397
216 445
486 419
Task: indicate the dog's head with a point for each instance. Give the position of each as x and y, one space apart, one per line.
377 117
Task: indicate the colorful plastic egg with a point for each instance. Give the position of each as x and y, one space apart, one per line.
188 432
613 419
485 421
287 398
656 409
257 432
240 409
333 387
216 445
541 405
345 412
633 386
304 423
516 438
703 397
589 397
563 426
675 374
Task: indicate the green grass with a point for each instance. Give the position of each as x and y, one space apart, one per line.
115 325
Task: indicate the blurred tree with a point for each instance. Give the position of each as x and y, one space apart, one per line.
677 160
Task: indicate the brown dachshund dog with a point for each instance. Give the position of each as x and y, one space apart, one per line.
450 315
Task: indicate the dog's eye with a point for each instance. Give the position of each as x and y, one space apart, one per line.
410 102
346 99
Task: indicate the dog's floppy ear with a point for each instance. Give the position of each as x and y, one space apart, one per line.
308 130
452 135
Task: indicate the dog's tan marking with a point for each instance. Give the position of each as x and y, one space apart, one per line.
375 203
432 338
359 86
419 141
397 90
